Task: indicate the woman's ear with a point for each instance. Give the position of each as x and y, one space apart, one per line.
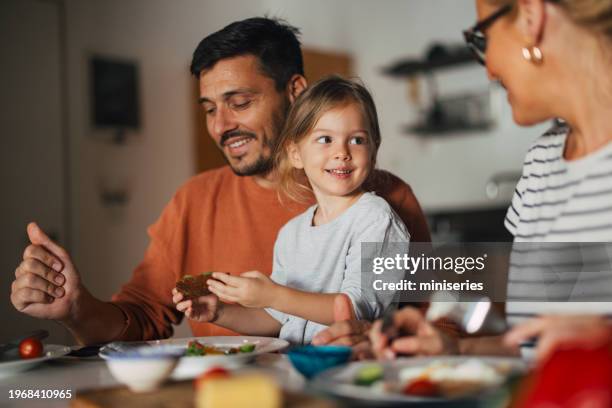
297 84
532 19
294 156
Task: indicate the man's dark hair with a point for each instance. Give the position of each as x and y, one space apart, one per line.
272 41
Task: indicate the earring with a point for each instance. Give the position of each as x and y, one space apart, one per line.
533 54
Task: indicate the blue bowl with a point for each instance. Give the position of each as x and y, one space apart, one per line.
311 360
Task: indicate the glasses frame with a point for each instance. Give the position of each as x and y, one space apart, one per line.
475 37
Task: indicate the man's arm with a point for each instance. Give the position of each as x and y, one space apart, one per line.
95 321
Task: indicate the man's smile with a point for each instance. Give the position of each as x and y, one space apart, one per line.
238 145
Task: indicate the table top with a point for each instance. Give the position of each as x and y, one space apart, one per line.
76 374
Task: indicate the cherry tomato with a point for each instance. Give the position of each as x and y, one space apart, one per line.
212 373
30 348
421 387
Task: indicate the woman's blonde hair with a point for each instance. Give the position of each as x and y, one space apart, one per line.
328 93
594 15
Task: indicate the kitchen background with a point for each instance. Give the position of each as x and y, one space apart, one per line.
97 189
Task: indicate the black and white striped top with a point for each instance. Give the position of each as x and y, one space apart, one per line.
559 201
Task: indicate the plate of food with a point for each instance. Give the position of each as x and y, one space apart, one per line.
422 379
28 355
201 353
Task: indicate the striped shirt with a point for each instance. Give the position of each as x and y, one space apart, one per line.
559 201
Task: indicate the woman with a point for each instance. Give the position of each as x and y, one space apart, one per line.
554 58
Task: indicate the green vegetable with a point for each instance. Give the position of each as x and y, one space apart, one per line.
195 349
247 348
368 375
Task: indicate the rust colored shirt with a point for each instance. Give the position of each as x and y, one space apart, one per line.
218 221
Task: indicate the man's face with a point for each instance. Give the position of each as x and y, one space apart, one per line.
244 113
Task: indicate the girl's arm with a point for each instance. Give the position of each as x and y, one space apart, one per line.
256 290
252 322
209 309
324 308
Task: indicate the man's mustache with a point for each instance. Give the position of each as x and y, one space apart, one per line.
234 133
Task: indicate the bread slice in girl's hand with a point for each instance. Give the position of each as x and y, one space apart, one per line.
194 286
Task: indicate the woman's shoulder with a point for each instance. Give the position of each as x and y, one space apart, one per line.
549 145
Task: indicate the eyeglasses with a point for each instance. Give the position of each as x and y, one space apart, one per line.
475 37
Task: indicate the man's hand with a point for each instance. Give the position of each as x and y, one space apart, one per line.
201 309
424 338
46 285
560 332
250 289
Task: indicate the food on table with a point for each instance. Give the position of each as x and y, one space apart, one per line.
452 379
246 390
369 374
423 387
437 379
247 348
195 348
210 374
194 286
30 348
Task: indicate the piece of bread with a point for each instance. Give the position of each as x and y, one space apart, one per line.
194 286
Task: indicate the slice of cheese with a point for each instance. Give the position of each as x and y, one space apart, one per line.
241 391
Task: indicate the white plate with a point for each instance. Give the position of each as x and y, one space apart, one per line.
191 367
339 381
11 363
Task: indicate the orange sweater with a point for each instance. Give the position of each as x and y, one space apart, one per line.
220 222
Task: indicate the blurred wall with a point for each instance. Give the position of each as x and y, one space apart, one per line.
161 36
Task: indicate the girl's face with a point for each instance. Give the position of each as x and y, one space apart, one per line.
336 154
523 80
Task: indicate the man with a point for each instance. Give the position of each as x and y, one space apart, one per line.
224 220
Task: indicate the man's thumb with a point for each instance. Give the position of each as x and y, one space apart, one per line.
38 237
343 308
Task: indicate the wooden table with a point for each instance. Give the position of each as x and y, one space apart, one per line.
90 380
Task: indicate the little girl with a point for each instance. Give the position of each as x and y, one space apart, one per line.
327 148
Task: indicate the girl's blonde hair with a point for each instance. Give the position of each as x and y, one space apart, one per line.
328 93
594 15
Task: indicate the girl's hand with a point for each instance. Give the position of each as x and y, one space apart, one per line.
250 289
202 309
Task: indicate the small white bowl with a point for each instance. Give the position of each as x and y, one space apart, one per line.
142 369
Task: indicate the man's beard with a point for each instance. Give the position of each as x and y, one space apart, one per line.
263 165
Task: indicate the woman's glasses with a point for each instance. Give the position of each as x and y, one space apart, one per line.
475 37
